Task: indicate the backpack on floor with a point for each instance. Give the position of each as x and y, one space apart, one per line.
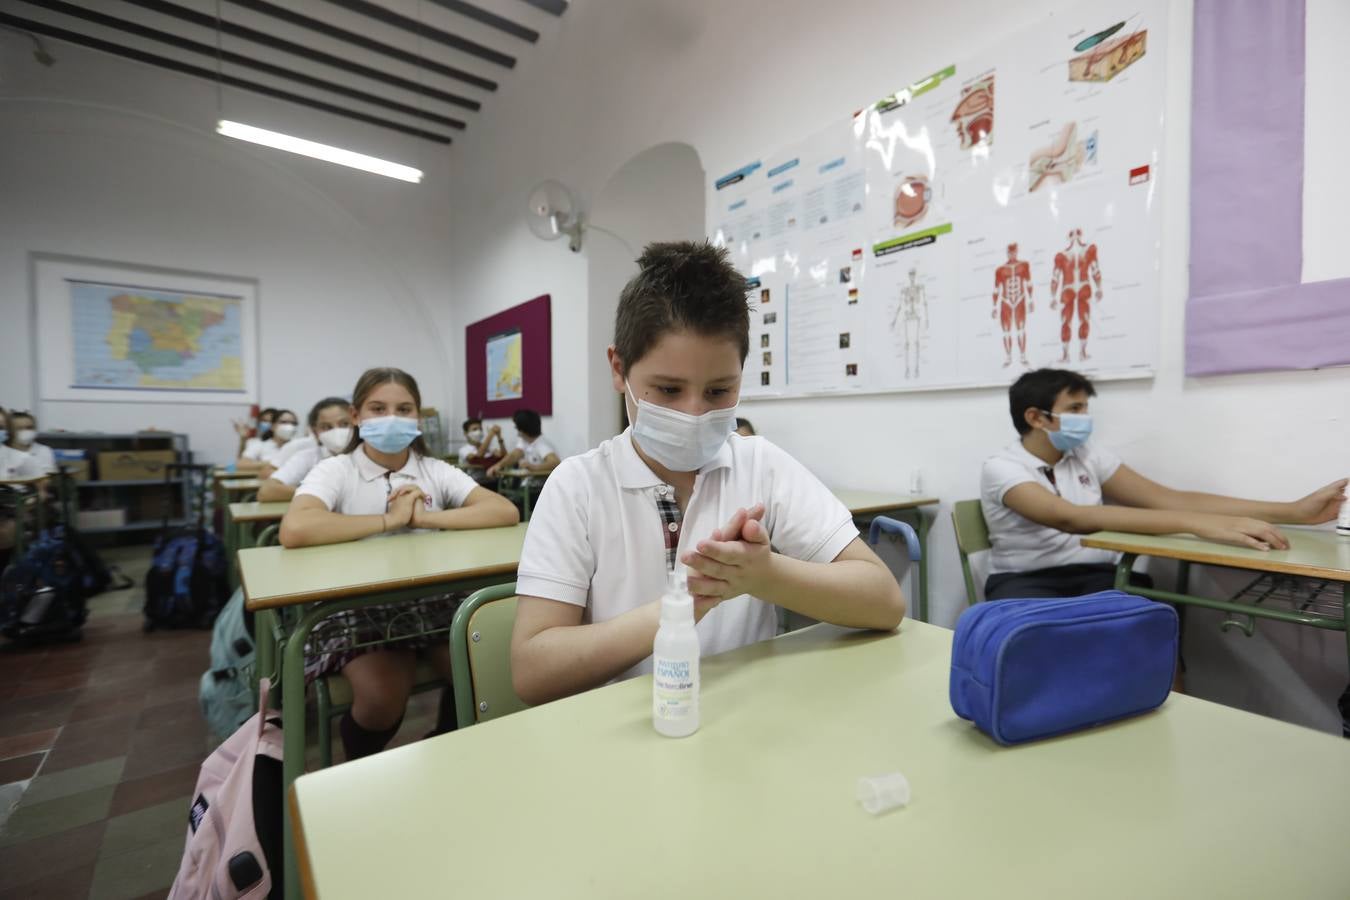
186 585
234 823
226 693
43 594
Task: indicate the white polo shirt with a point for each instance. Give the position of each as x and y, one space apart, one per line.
293 471
1021 545
263 451
297 444
536 451
355 485
596 536
16 465
42 457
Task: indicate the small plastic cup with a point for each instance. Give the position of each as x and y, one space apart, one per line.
880 793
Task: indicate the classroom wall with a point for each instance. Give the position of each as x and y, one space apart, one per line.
105 158
737 80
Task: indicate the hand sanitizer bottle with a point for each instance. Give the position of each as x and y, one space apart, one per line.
675 656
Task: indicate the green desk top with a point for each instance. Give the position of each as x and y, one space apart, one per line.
865 502
1312 553
581 798
275 576
241 484
259 512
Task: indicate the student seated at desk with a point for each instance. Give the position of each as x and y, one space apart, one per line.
384 482
532 452
251 434
23 437
481 447
1047 487
753 525
330 426
15 465
265 451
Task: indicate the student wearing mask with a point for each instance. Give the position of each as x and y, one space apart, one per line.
15 465
479 444
1050 485
284 428
385 482
532 452
23 437
759 531
330 426
253 434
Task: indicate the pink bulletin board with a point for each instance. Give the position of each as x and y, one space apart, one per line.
526 328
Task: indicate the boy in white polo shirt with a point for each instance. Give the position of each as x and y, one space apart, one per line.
752 525
1044 490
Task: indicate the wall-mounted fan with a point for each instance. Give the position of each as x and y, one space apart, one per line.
554 214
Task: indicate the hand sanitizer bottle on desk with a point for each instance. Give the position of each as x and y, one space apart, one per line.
675 656
1343 520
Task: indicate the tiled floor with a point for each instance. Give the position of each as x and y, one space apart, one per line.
100 742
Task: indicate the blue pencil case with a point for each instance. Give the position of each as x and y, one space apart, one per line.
1029 669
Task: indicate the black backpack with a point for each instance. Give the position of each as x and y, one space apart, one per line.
43 593
188 579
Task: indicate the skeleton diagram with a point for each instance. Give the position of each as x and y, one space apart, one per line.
913 313
1076 273
1012 302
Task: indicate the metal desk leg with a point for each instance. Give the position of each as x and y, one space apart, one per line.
1123 570
231 550
293 731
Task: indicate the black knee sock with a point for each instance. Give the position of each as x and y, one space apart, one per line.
358 742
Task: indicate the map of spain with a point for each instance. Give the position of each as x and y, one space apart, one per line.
129 337
504 367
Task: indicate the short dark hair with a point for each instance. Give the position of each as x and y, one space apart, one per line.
269 411
323 404
1040 389
744 423
527 422
468 422
681 285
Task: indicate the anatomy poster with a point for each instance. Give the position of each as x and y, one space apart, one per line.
998 215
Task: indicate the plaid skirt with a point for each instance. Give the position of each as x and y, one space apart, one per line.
341 638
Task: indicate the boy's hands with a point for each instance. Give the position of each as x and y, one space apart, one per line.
1319 506
734 560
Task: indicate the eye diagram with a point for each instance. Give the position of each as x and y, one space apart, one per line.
912 197
1077 273
1062 159
974 113
1103 57
1012 302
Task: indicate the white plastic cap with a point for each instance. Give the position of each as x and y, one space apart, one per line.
677 605
879 793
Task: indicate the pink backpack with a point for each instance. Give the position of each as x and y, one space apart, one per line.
234 825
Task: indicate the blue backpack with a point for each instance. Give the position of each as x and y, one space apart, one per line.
44 592
186 585
226 694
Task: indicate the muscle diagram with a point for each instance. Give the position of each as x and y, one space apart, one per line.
911 318
1063 158
974 113
912 198
1077 275
1012 302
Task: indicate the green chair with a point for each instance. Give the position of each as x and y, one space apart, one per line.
972 536
270 536
334 696
480 656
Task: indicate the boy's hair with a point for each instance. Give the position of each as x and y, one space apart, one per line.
1040 389
681 285
527 422
744 423
468 422
323 404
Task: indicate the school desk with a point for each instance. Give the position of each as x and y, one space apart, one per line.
240 521
1308 584
867 505
582 799
339 577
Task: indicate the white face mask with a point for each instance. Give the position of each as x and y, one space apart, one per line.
679 441
476 436
25 436
285 431
335 440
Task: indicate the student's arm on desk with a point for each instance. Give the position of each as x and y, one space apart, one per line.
1039 505
482 509
855 589
1130 488
508 462
309 522
273 491
549 463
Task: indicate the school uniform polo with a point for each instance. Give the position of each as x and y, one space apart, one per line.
535 451
42 457
263 451
293 471
297 444
354 484
606 531
1021 545
16 465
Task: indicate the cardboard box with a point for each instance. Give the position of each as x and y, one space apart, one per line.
87 519
134 465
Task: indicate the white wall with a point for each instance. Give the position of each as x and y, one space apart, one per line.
735 80
101 157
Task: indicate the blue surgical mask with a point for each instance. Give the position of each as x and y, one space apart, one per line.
1074 430
390 434
264 428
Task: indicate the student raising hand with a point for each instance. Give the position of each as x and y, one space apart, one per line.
1319 506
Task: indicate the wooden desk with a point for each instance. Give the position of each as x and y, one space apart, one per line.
1318 555
398 568
867 505
582 799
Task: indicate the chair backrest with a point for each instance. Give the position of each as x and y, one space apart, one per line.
480 656
972 536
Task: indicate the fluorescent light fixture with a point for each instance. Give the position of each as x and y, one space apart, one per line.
319 151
